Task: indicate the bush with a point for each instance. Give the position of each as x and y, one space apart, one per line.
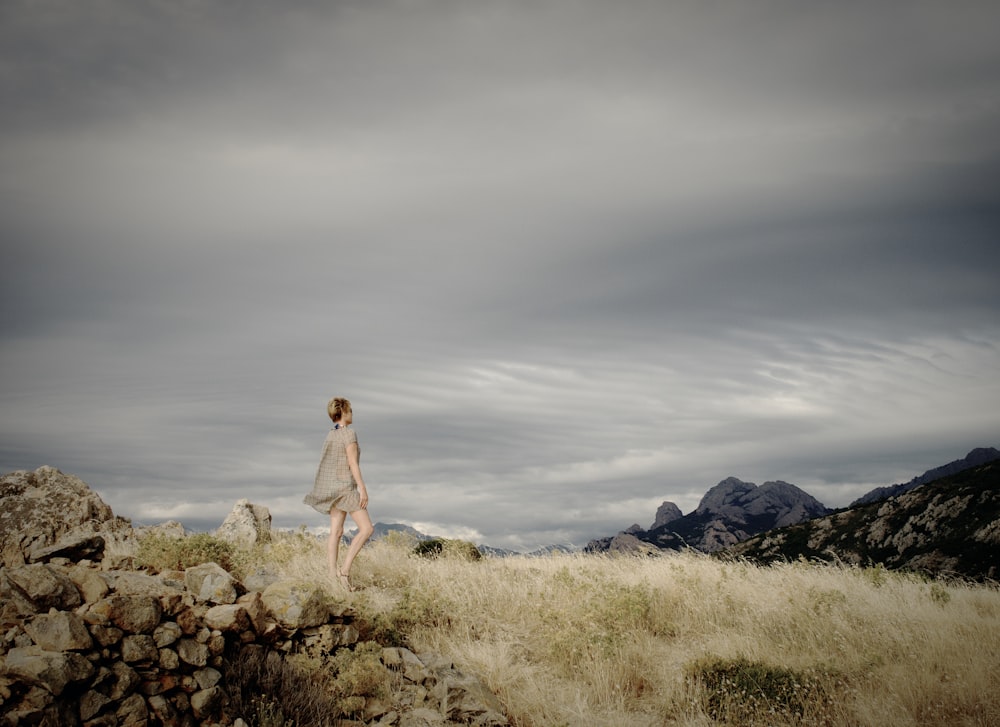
444 547
744 692
304 691
161 552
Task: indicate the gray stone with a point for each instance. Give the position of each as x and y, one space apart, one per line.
124 680
132 712
227 617
296 605
139 648
91 703
51 670
193 653
106 635
211 583
208 702
38 508
169 660
37 588
59 631
207 677
90 585
167 633
246 524
163 710
132 614
73 546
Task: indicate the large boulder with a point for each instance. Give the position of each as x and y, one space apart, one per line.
37 588
51 670
246 524
42 508
296 605
210 582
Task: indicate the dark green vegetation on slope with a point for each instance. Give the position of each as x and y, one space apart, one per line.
947 527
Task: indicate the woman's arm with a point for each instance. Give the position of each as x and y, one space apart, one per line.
353 461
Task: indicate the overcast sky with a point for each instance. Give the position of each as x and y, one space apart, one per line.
567 259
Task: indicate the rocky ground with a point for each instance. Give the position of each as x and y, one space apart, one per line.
87 640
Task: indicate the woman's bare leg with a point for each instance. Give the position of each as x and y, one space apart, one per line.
337 518
365 530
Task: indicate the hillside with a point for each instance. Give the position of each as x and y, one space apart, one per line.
950 527
978 456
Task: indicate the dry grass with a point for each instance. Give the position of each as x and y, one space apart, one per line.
685 639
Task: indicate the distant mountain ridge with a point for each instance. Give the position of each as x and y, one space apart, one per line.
730 512
734 511
978 456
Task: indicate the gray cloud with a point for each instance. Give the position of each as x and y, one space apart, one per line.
568 260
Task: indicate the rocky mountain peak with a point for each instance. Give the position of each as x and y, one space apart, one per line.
666 513
724 495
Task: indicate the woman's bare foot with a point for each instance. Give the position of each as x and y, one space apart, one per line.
345 581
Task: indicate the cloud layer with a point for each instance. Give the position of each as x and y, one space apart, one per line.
567 259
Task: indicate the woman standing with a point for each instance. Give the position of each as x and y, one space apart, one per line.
339 489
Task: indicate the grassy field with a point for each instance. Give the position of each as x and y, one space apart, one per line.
683 639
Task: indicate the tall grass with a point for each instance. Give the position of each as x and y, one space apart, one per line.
684 639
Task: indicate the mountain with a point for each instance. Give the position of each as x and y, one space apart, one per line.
730 512
384 529
950 526
978 456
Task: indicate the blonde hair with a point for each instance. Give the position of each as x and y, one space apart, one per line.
337 407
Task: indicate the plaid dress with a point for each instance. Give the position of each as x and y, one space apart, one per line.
335 486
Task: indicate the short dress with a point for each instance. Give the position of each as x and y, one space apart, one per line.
335 486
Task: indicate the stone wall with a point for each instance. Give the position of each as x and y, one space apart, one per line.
82 646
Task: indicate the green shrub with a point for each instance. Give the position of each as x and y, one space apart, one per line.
359 674
444 547
744 692
161 552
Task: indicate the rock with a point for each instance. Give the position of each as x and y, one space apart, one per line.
106 635
296 605
210 582
465 699
246 524
91 703
51 670
169 660
253 604
39 508
38 587
132 712
59 631
422 717
208 702
132 614
404 660
90 585
74 546
227 617
207 677
163 710
193 653
139 648
124 680
166 634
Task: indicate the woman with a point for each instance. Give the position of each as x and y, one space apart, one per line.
340 489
